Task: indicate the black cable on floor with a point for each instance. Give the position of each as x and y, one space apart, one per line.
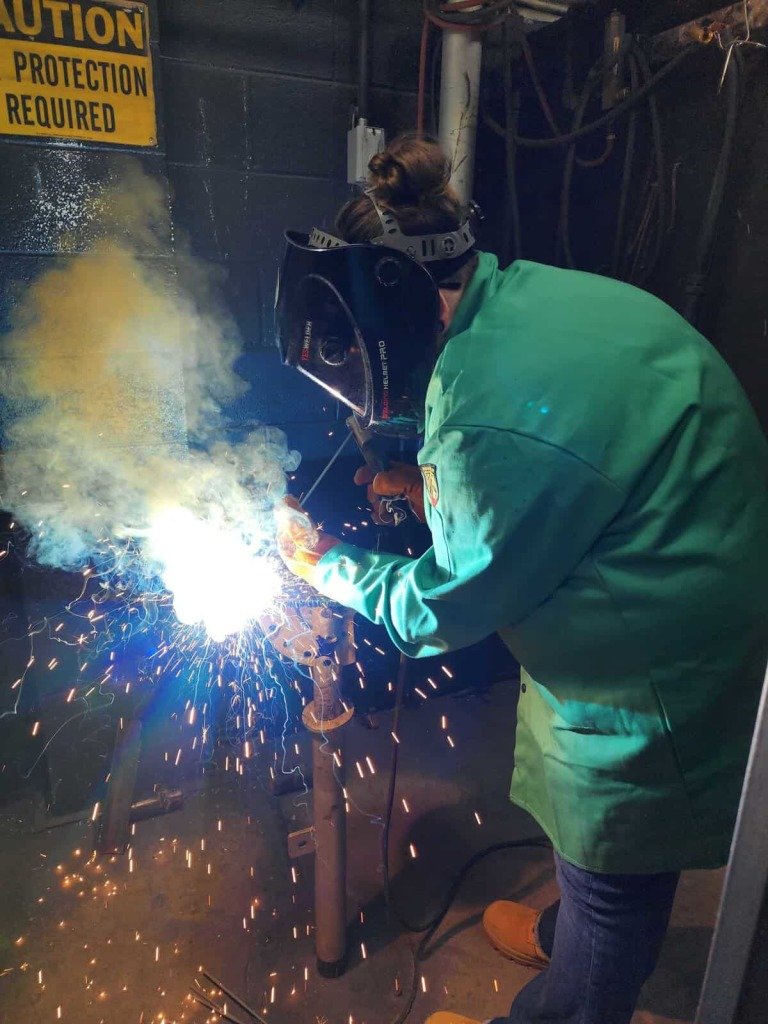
430 926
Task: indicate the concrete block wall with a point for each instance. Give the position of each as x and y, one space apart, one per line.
254 102
258 99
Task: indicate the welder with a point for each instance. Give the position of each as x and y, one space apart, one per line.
596 489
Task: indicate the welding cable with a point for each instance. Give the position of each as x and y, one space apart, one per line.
430 926
591 162
512 117
564 229
464 15
364 59
626 174
639 72
696 279
434 68
546 109
606 119
661 175
422 87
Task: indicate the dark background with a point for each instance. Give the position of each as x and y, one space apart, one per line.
254 100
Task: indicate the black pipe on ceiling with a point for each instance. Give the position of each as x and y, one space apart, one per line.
364 59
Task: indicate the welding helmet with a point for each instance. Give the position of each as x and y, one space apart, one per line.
361 320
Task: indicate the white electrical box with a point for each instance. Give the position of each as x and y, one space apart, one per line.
363 142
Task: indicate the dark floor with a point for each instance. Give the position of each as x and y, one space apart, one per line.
211 886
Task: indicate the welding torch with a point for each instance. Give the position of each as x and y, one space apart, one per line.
391 510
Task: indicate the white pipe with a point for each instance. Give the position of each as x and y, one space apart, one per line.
459 95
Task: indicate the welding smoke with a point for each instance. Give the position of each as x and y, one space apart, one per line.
115 373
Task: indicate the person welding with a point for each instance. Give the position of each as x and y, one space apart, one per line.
596 489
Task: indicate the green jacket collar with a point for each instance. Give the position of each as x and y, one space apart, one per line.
484 283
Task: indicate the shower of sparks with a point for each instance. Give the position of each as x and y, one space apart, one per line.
197 628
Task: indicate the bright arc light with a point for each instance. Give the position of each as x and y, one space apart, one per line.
214 574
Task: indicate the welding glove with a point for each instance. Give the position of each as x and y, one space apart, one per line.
401 480
300 541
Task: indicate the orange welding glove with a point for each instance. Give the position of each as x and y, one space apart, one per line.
300 541
401 480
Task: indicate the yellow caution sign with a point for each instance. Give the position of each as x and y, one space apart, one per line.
79 70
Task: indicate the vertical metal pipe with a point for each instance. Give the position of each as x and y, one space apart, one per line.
322 639
364 59
745 884
459 97
330 854
326 718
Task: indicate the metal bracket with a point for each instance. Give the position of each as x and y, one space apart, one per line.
301 842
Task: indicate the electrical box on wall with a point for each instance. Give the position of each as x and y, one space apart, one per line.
363 142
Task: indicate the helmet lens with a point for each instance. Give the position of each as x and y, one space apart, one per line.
331 350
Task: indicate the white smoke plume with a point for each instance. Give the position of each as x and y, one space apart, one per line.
114 377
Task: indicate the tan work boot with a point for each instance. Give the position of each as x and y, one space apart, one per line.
445 1017
511 930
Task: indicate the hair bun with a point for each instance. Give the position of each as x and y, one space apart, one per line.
411 169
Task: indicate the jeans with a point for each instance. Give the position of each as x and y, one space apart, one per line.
603 938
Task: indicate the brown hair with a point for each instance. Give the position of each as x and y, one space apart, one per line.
410 179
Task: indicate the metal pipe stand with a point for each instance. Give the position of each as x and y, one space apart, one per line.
323 640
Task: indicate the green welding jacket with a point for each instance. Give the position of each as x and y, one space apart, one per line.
598 494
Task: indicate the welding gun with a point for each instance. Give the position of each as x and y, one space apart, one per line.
392 511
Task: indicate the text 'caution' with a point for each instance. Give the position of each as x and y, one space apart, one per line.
79 70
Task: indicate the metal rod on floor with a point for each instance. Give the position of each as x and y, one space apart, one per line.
213 1008
233 997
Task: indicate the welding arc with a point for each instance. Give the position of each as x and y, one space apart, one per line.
430 926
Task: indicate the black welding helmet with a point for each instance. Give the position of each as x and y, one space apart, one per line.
362 319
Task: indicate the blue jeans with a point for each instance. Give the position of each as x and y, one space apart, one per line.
603 938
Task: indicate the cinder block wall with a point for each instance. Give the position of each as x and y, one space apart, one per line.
254 101
258 99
